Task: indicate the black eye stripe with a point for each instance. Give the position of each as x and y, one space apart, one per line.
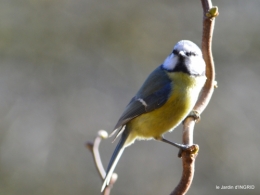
175 52
190 53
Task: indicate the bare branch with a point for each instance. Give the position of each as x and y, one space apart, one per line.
209 14
188 163
189 156
94 149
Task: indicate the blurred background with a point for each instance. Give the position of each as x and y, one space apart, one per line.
69 68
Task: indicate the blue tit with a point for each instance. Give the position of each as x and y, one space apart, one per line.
167 96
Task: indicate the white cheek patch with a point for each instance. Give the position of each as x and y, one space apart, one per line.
170 62
195 65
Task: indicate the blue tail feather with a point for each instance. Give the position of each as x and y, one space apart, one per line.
115 158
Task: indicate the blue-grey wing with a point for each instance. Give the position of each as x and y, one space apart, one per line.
152 95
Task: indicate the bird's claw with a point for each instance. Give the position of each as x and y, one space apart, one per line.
191 150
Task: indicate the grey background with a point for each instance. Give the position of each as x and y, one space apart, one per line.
68 68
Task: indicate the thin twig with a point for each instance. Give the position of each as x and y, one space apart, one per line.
209 14
189 156
94 148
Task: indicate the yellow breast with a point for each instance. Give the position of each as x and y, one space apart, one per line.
181 101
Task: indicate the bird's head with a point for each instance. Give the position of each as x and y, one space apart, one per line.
186 57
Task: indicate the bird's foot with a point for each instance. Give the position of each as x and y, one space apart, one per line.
191 150
180 146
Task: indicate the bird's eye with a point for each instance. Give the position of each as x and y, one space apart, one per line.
190 53
175 52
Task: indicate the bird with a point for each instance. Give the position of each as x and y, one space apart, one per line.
164 100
